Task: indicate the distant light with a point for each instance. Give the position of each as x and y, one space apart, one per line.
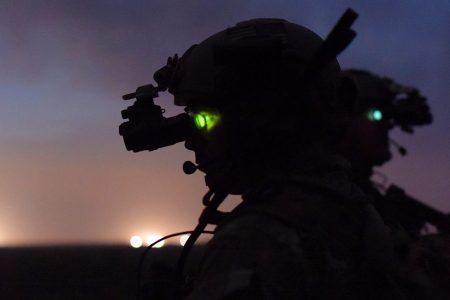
183 239
136 241
153 238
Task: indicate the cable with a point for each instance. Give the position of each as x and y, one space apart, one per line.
141 261
217 199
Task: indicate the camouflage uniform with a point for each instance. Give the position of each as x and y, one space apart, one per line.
424 260
312 235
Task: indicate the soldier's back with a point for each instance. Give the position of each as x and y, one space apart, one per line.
306 239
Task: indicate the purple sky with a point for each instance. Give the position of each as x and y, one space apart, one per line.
65 175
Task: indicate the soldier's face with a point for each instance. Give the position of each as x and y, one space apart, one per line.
211 153
219 153
367 139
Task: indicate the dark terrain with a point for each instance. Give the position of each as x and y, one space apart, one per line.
79 272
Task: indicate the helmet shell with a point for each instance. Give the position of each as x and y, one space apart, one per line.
371 90
275 48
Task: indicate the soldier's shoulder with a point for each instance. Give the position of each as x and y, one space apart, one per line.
247 252
256 230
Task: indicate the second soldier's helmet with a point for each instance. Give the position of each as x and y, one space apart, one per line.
382 97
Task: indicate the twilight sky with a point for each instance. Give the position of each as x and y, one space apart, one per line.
65 176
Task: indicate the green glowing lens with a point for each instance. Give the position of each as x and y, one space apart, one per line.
375 115
205 120
200 121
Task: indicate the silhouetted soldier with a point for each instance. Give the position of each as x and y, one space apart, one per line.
268 125
382 104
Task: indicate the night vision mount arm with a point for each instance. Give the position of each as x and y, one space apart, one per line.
147 128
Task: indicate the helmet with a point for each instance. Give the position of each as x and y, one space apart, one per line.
382 97
371 89
380 105
259 57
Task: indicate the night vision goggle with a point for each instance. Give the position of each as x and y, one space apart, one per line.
408 108
148 129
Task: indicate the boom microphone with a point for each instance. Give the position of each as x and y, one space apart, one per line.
400 149
189 167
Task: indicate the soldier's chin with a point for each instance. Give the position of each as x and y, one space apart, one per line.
219 182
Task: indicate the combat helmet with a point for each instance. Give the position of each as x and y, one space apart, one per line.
251 58
384 98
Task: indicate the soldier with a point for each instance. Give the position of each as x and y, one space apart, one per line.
381 105
268 128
